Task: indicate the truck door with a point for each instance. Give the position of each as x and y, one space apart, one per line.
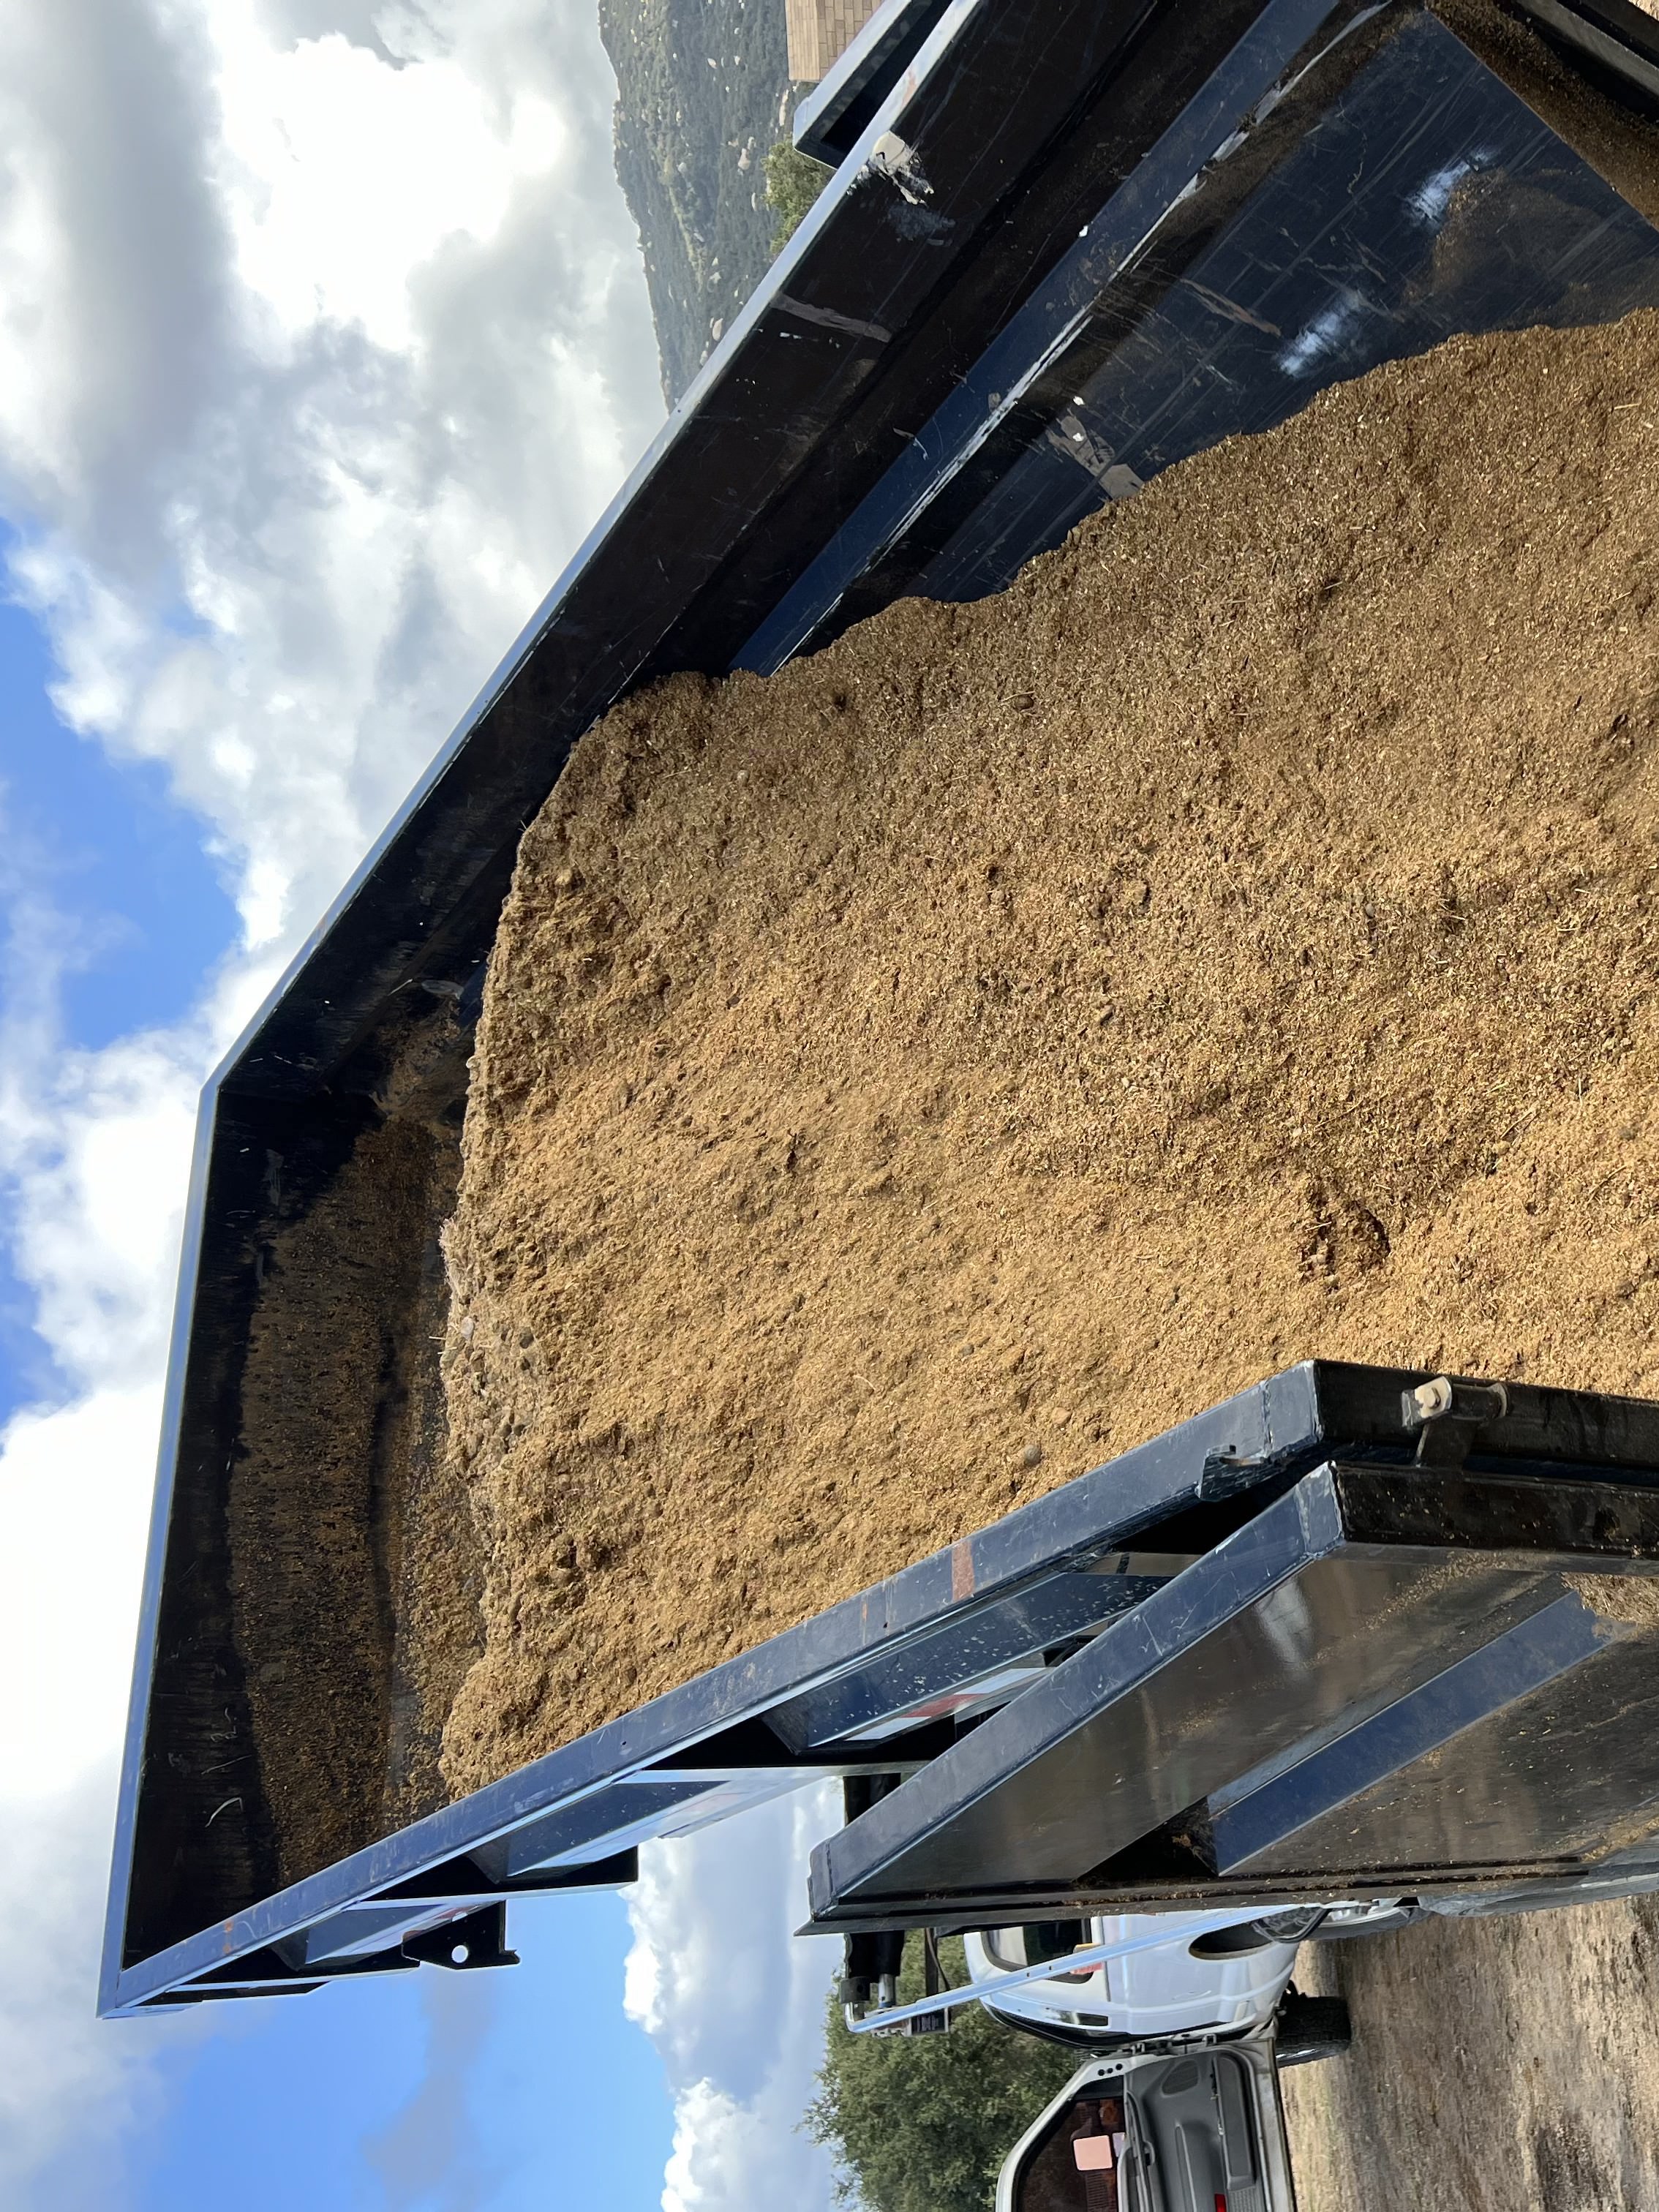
1181 2134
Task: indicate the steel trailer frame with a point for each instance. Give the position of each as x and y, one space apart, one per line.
1009 1620
1001 314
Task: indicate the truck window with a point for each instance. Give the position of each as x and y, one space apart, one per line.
1036 1943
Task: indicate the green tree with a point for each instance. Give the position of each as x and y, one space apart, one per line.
922 2124
794 181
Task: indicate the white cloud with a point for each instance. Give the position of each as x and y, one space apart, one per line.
94 1151
74 1494
97 1147
114 305
735 2003
320 344
323 340
316 363
70 2086
319 234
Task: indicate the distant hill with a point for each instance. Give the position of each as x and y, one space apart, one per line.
691 144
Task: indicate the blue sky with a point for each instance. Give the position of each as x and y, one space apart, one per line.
108 844
510 2089
142 909
324 339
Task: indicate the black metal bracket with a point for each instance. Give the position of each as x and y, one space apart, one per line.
1446 1417
479 1939
462 1878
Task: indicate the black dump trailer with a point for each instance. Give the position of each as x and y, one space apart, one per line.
1355 1632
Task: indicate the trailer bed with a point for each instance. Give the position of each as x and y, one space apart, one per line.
945 369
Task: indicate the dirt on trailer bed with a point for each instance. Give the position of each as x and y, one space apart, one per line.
1498 2066
904 1083
908 1082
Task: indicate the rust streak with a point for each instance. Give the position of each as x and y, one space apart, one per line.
962 1568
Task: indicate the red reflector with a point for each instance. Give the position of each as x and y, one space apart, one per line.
1220 2201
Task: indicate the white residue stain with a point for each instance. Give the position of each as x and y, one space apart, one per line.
1321 338
1429 202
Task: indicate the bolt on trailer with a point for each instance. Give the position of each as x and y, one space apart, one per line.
1065 245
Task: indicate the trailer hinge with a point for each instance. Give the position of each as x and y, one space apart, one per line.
1447 1416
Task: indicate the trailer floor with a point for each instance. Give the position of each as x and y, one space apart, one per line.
1498 2066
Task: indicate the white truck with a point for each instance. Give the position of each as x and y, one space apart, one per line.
1182 2021
1182 2024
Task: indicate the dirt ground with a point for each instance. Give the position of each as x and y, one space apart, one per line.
1498 2066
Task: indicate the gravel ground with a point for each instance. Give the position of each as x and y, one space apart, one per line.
1508 2065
